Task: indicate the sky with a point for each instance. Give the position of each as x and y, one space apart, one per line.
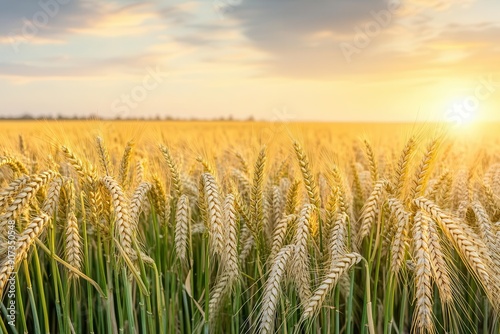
278 60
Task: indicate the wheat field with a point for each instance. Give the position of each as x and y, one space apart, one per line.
239 227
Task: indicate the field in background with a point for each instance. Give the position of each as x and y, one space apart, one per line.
234 227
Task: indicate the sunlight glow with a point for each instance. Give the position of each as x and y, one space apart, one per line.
461 112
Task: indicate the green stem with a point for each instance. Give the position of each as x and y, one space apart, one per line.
371 326
129 303
6 316
39 282
31 297
402 315
337 310
388 305
20 306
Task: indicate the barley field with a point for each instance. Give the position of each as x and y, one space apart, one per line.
248 227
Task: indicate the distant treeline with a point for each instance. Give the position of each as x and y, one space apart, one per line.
28 117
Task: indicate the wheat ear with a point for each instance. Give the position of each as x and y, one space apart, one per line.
337 269
279 235
338 237
125 164
214 214
25 195
292 199
122 219
439 265
75 162
160 199
139 199
231 241
50 204
14 164
307 175
370 210
182 220
23 244
272 290
300 270
398 244
277 205
73 245
104 158
256 197
423 171
10 192
401 171
467 248
174 172
372 162
422 319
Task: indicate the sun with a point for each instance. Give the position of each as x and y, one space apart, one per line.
461 113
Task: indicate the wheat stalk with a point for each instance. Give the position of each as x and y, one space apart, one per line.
422 318
10 192
247 245
277 205
50 204
25 195
160 199
372 162
300 263
371 210
455 232
338 237
398 245
243 163
307 175
214 214
174 172
401 171
272 290
104 158
182 220
422 173
292 198
125 164
440 268
337 269
139 198
73 245
279 234
14 164
122 218
23 244
256 197
231 241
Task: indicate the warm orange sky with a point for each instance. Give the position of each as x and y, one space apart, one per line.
414 60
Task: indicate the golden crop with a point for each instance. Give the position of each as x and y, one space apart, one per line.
235 227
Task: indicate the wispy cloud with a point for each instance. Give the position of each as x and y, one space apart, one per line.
261 54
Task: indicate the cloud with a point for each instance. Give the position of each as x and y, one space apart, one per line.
134 19
302 39
54 21
49 19
56 68
81 31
